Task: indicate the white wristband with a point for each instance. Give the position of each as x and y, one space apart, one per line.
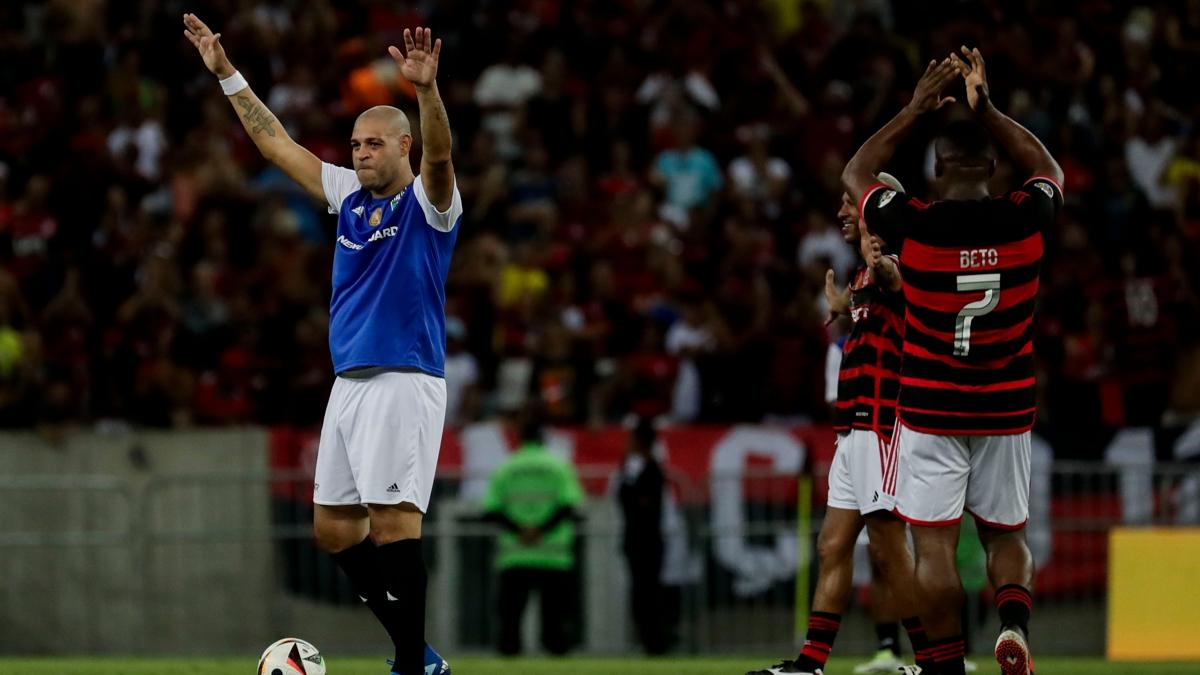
234 83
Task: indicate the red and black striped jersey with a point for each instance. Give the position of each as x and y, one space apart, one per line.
970 271
869 378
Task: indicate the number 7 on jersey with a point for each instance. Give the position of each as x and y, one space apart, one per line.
990 285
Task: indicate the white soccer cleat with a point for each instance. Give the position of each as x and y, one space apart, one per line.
970 666
884 661
909 670
1012 653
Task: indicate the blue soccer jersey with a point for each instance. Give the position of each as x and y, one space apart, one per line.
390 263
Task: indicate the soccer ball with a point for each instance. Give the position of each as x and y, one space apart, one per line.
290 656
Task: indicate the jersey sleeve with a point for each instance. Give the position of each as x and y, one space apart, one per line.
338 183
887 213
571 492
443 221
1043 200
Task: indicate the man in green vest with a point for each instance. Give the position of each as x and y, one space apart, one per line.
533 496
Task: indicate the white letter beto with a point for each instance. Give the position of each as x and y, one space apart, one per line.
978 257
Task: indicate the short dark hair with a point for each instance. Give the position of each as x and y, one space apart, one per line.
645 433
965 143
533 425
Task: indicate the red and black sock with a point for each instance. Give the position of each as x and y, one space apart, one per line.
920 642
888 635
822 631
947 655
1014 602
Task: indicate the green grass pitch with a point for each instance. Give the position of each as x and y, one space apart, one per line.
496 666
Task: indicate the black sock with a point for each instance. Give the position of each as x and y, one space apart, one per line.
920 642
947 655
360 564
404 579
888 634
822 631
1014 603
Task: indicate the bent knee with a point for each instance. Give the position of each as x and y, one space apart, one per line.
333 539
832 548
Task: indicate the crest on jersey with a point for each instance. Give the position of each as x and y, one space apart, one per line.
887 196
376 216
1045 187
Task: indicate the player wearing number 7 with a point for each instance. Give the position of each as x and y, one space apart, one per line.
387 333
970 267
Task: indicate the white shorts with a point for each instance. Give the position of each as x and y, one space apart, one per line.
380 440
940 475
859 476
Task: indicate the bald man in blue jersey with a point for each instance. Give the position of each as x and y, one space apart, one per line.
387 333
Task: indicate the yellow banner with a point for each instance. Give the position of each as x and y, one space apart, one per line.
1153 594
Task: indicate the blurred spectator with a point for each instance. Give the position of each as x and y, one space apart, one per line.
462 376
757 176
1148 153
688 174
501 90
690 339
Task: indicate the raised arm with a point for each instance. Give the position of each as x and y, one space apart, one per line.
1025 149
859 174
419 63
269 136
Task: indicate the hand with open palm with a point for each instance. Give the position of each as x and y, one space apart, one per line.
927 97
837 299
208 44
419 61
970 66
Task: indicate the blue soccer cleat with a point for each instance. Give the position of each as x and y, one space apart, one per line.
434 663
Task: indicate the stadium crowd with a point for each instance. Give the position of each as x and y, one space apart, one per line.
650 191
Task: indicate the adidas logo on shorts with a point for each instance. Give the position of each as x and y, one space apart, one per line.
393 488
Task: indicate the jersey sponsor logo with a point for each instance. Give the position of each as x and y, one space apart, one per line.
978 257
384 233
1045 187
349 244
379 234
376 216
887 196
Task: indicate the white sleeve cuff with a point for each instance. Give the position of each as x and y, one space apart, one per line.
443 221
338 183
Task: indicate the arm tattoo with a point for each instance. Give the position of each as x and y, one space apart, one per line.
257 117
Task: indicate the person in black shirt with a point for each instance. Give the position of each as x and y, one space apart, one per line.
640 493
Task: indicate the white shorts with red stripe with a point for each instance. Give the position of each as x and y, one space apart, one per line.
939 476
862 476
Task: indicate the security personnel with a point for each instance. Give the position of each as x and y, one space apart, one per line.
534 497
